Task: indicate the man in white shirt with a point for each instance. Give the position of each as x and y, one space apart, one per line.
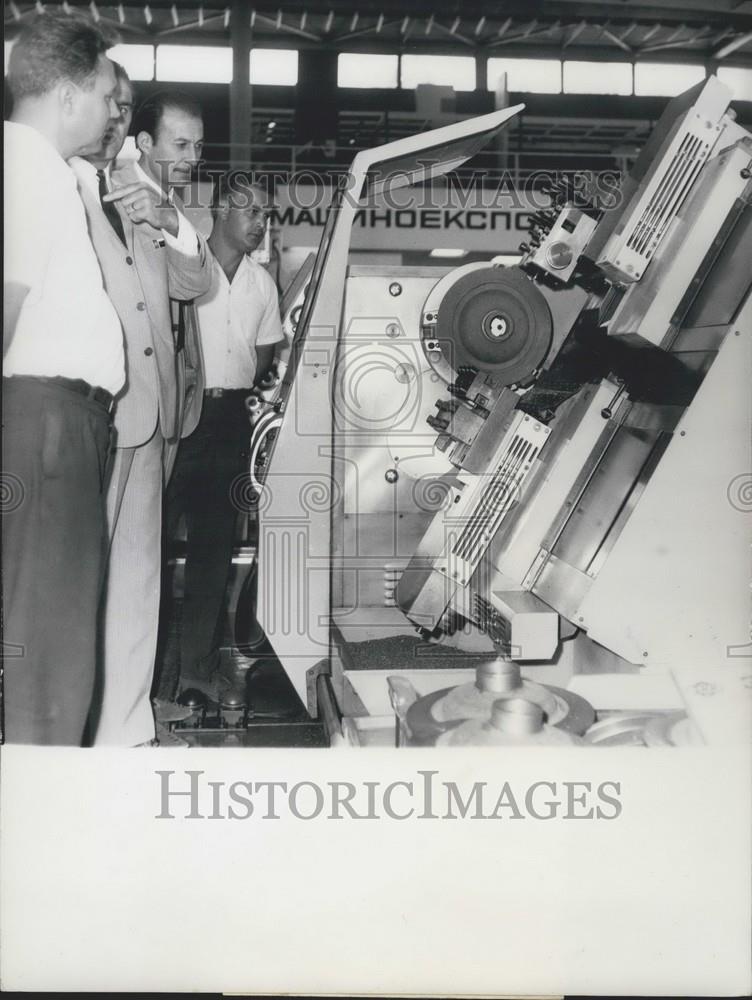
239 326
63 364
149 254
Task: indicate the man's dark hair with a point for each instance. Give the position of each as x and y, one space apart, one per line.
234 188
53 47
121 74
148 115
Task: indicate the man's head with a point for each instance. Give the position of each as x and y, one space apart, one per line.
169 133
241 212
60 74
117 128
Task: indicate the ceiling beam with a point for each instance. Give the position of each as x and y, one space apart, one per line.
653 31
699 36
373 29
733 45
531 32
676 32
575 33
616 40
456 34
272 22
199 23
504 28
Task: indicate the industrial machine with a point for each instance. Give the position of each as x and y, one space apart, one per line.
511 504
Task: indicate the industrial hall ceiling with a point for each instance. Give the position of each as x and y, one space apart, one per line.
634 30
320 121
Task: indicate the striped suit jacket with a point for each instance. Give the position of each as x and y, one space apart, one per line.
147 280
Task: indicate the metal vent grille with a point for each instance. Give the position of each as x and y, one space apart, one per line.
496 497
668 196
492 623
662 192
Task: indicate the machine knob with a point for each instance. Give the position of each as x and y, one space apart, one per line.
559 255
438 423
543 220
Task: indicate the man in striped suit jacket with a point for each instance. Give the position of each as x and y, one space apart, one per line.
151 259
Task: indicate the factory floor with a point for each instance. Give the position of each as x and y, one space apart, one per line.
250 701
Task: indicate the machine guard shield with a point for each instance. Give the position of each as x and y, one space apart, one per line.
300 490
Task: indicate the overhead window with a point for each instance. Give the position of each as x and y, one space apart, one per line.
194 64
445 71
533 76
365 69
597 77
738 79
136 60
274 67
666 79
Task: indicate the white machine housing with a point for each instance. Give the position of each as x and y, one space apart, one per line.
600 534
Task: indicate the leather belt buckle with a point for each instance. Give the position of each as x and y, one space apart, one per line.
101 396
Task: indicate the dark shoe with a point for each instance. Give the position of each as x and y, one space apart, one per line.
213 687
170 711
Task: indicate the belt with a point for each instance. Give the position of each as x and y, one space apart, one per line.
82 388
217 393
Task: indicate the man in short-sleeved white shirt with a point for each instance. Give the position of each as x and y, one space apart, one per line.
63 364
239 326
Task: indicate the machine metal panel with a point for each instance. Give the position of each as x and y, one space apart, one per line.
375 549
534 632
674 588
565 454
606 498
648 307
385 391
486 499
563 587
647 218
302 452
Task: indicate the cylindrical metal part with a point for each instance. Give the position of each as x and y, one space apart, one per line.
498 676
517 716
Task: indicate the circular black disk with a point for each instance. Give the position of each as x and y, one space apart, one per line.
496 321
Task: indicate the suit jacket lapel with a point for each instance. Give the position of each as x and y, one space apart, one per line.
98 218
119 178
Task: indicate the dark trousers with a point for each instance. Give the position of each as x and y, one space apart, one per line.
55 447
201 489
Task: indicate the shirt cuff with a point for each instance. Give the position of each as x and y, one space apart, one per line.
186 242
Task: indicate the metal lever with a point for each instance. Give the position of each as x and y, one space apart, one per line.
608 411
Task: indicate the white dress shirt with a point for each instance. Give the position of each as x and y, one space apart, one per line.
67 325
234 318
